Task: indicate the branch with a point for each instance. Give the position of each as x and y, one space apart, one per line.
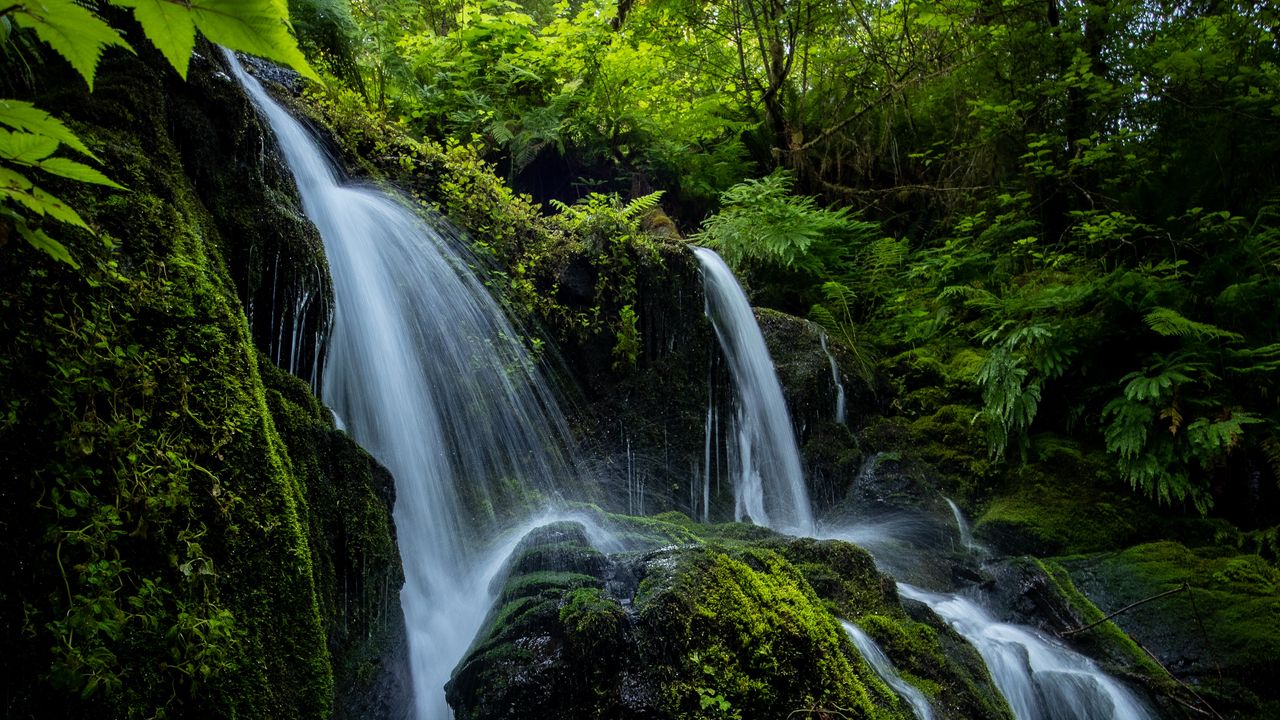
1126 608
868 108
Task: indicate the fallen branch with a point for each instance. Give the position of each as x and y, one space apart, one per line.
1188 688
1126 608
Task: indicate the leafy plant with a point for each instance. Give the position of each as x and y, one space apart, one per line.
760 221
80 37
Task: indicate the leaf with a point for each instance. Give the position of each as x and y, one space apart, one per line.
57 209
77 171
24 116
1167 322
169 26
25 148
72 31
40 241
12 179
257 27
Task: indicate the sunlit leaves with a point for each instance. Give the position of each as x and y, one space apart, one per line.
73 31
170 27
26 117
257 27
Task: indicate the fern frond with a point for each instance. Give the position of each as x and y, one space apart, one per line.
1171 323
641 205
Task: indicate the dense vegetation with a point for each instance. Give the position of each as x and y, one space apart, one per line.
1046 235
1073 205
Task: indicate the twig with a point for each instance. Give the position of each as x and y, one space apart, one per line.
1183 685
1126 608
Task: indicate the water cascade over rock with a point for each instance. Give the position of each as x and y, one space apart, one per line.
768 479
887 672
1039 678
426 373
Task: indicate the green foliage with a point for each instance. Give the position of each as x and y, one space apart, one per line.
762 222
80 37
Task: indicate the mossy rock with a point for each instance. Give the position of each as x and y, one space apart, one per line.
728 621
1066 501
1220 635
175 547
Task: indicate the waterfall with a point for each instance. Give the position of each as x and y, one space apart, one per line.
428 375
835 379
769 483
962 526
883 667
1039 678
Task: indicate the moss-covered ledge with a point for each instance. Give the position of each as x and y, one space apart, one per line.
697 621
173 547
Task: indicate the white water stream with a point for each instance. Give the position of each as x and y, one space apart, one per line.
428 375
768 480
883 667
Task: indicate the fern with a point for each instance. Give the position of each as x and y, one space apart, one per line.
762 222
1170 323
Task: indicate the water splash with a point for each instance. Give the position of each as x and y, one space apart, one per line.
883 667
769 483
429 376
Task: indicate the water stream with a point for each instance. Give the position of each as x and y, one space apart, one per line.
426 372
883 667
1041 679
429 376
769 485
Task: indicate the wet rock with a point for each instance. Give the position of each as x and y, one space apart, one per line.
731 620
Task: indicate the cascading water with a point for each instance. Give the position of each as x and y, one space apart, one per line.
962 526
883 667
768 480
835 379
428 375
1041 679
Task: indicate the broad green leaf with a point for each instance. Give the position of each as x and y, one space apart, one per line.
40 241
257 27
169 26
25 148
57 209
21 115
13 180
76 171
74 32
24 198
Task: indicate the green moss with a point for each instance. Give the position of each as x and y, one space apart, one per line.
534 583
1065 502
1214 634
170 563
750 631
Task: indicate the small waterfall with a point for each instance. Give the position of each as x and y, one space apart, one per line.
835 379
1040 678
428 375
962 526
769 483
883 667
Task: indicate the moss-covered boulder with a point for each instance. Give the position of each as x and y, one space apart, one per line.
1217 632
728 621
1065 501
176 531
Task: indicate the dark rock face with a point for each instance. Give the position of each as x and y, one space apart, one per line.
191 536
727 621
